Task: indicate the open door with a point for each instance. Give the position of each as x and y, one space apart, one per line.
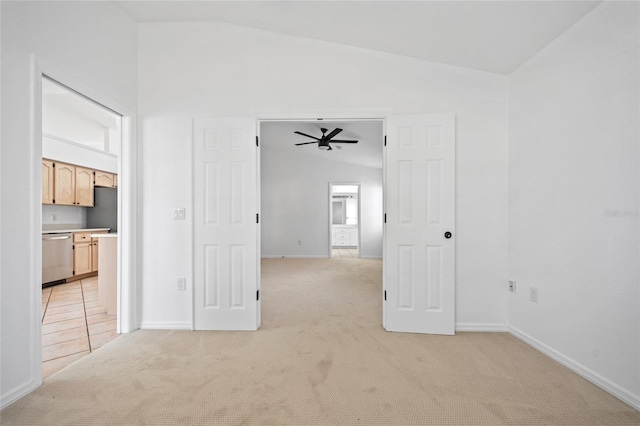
226 270
419 256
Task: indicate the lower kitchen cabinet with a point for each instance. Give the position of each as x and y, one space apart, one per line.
85 253
82 258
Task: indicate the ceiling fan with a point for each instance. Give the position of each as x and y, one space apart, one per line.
323 142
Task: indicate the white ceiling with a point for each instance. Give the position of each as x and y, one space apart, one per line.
495 36
367 152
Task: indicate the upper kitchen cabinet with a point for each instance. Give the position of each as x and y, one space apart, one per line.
106 179
72 185
65 184
48 176
84 187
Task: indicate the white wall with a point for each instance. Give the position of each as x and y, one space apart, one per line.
90 43
295 203
573 162
214 69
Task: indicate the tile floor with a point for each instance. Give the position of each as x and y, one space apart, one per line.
73 324
344 252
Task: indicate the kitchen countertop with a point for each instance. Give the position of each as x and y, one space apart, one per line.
64 231
112 235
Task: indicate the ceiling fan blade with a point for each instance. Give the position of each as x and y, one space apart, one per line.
309 136
306 143
342 141
332 134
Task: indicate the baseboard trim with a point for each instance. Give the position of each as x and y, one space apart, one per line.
296 256
16 393
160 325
482 327
603 383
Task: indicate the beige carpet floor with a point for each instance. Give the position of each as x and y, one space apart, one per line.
321 357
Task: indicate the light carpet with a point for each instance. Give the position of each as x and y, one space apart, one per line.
321 357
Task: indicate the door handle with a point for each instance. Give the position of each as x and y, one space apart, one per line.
56 238
448 235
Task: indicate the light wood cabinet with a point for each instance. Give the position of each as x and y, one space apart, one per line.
105 179
70 185
65 184
48 179
81 257
85 252
84 187
94 256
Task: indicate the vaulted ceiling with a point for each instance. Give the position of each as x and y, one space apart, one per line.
494 36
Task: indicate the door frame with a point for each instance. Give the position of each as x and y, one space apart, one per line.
380 116
128 302
359 185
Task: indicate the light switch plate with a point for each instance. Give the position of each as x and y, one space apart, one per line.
178 213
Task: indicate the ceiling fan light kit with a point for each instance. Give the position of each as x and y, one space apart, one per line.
325 141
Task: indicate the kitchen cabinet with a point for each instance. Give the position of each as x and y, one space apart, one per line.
82 253
94 252
105 179
65 184
84 187
72 185
48 178
85 252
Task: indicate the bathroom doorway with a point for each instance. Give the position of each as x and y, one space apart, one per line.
344 220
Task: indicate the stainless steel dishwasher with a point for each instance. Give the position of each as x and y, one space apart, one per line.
57 258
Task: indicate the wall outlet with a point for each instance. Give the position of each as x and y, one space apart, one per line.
533 294
182 284
512 286
178 213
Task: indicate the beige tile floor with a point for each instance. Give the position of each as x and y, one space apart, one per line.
344 252
73 324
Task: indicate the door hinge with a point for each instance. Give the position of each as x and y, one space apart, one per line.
258 295
385 140
257 143
385 295
257 217
385 218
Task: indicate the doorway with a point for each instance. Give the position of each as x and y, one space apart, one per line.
419 252
98 148
80 144
344 220
311 203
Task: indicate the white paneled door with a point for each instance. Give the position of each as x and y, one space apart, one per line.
226 269
419 253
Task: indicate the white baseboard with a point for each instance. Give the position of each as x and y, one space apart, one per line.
481 327
16 393
160 325
296 256
605 384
